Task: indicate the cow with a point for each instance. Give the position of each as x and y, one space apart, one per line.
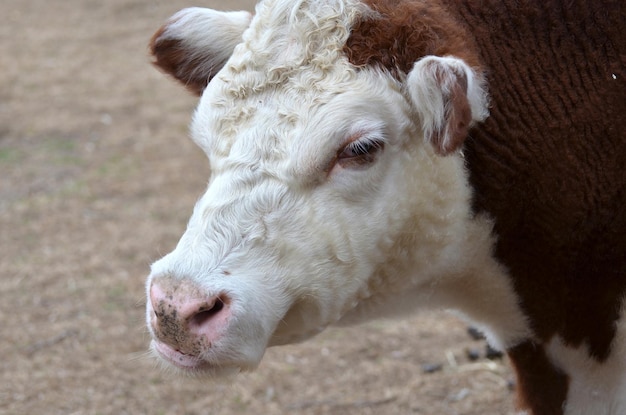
370 158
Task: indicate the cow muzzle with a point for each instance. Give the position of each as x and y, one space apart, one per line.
186 321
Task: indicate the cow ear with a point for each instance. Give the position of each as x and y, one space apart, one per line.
195 43
449 97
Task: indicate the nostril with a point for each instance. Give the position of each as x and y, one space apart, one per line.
207 312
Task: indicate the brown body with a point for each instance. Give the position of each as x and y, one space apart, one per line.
549 164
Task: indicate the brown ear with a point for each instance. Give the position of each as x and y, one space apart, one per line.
449 97
196 43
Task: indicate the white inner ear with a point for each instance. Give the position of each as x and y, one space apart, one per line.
202 27
209 35
429 83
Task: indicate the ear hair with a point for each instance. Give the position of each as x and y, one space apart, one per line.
449 97
195 43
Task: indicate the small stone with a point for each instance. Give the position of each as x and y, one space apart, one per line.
431 367
475 334
492 354
472 354
511 385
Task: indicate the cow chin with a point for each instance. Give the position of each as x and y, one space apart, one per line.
172 360
221 359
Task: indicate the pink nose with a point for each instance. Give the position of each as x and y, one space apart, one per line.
184 317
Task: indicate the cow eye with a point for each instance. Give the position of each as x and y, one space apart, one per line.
360 152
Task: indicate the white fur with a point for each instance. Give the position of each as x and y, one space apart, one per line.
308 243
595 388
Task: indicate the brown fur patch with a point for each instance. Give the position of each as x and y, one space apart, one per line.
173 58
541 387
404 32
458 118
548 164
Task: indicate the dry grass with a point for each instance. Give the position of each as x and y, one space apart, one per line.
97 179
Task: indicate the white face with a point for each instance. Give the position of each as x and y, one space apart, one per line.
324 205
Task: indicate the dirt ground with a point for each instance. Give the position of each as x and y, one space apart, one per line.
97 180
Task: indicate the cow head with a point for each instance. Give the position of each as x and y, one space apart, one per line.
337 192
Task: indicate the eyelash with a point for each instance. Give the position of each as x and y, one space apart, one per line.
360 152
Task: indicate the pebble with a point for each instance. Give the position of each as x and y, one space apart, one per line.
472 354
492 354
431 367
475 334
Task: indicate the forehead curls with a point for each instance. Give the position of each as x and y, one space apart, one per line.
285 37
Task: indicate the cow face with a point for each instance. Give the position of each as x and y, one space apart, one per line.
329 199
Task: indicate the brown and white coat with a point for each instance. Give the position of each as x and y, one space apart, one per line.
361 169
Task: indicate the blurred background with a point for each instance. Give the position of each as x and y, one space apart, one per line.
97 180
